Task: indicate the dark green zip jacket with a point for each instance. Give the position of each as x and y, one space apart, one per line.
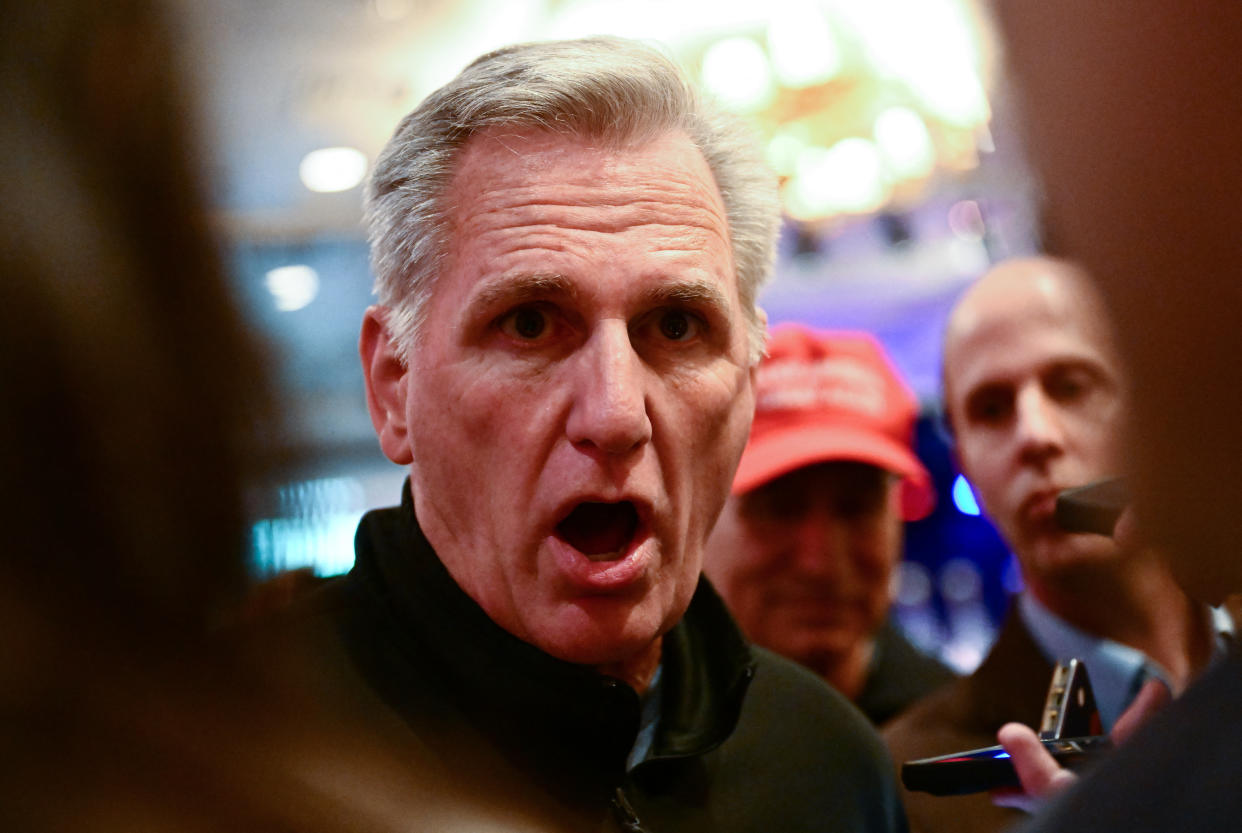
744 741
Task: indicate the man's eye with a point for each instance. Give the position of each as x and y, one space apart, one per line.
783 500
1067 387
861 504
990 408
759 508
677 325
525 323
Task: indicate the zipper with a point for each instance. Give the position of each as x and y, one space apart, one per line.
623 813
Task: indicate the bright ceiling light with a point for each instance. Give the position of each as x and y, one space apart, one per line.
846 178
333 169
954 93
736 71
904 143
783 150
934 53
803 47
292 287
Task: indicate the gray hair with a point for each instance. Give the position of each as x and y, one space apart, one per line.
606 88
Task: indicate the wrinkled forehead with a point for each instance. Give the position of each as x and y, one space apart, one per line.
520 191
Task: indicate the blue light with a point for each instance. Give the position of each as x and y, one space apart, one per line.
963 497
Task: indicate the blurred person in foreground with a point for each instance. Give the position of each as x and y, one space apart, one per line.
1132 121
133 414
806 548
567 245
126 385
1035 399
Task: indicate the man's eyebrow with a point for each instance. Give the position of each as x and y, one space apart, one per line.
517 289
987 387
1087 364
703 292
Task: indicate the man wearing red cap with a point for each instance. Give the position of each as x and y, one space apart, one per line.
805 548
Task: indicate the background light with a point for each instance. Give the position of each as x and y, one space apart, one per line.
292 287
314 528
904 143
783 151
964 497
966 220
736 71
846 178
333 169
803 46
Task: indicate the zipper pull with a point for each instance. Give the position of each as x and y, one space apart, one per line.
624 813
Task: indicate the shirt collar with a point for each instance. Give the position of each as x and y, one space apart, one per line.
1116 671
650 719
1225 629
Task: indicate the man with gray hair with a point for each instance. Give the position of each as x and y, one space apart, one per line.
568 244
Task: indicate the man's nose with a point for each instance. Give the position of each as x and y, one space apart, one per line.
816 545
1038 424
609 410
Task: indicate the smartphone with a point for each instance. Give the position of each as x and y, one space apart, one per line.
977 770
1069 729
1094 507
1069 709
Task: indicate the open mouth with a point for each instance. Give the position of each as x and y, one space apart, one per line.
600 531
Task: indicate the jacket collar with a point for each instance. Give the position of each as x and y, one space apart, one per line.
707 665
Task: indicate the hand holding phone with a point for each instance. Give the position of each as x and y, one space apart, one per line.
990 768
1041 776
1070 731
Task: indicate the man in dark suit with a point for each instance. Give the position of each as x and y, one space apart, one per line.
1035 401
1133 126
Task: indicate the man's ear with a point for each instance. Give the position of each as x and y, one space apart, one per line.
386 383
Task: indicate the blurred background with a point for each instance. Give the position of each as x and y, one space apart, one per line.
888 121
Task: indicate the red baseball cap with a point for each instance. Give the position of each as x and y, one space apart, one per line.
824 396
